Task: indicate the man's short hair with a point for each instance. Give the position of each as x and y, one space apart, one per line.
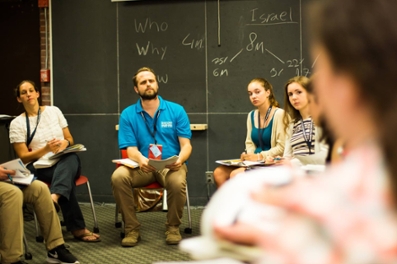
142 70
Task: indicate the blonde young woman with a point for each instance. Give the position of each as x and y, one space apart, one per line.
265 129
303 144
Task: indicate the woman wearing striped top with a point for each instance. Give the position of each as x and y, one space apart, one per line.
303 144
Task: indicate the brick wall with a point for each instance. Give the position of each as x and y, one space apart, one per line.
45 87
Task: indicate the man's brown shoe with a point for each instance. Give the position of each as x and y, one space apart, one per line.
173 237
131 239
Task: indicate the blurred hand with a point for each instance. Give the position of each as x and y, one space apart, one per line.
4 173
239 233
56 145
144 165
175 166
250 157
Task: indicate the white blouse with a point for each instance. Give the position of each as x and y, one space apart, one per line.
50 126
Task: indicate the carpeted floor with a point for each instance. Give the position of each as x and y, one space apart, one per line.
152 247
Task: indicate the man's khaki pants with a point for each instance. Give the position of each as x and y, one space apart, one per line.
124 179
11 218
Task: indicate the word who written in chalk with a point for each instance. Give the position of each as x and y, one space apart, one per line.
150 25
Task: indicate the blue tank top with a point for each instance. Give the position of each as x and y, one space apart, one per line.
266 135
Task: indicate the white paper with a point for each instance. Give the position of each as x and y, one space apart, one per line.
22 180
18 166
160 164
127 162
22 174
240 163
70 149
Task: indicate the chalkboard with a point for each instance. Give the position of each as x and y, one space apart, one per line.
204 53
84 40
257 39
168 36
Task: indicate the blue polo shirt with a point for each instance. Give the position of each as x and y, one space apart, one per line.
171 122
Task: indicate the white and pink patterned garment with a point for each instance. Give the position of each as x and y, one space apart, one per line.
342 216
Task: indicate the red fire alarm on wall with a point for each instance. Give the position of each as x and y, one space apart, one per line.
45 75
43 3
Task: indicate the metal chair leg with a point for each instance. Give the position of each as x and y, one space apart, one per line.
39 237
28 255
96 228
188 230
117 223
165 205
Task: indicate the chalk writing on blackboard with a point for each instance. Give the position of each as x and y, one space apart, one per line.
150 48
285 17
274 55
254 46
193 43
162 78
293 63
150 25
217 72
220 72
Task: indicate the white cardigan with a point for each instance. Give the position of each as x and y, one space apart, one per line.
277 140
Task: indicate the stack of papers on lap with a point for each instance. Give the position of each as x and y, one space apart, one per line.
22 180
49 159
22 174
73 148
240 163
126 162
160 164
45 161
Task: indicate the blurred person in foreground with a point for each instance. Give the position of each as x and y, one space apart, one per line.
348 215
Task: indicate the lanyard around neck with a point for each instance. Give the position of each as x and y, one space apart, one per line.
308 138
29 137
260 131
153 133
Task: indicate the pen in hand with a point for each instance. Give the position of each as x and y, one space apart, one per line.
9 177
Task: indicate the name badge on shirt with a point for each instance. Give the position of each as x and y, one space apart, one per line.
155 151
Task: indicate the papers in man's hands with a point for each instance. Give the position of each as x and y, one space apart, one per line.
49 159
22 174
240 163
160 164
126 162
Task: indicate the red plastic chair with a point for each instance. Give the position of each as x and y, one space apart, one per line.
79 181
155 185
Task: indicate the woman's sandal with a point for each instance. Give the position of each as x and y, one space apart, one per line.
81 237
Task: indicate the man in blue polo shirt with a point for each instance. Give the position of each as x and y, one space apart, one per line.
158 129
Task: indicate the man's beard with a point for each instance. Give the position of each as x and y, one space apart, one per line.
145 96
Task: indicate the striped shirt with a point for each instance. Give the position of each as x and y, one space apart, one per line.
300 138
